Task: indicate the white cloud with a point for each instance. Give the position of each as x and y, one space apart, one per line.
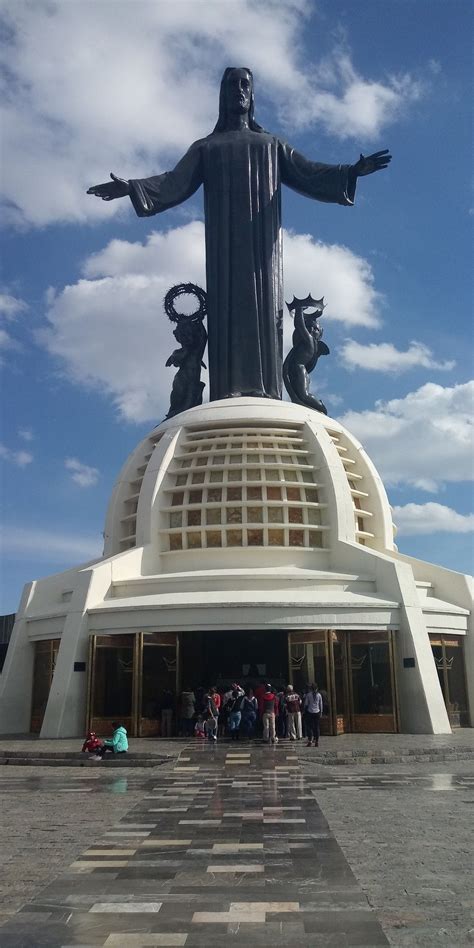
63 548
82 474
425 438
135 88
10 306
355 106
385 357
18 458
347 279
416 519
6 341
110 332
26 434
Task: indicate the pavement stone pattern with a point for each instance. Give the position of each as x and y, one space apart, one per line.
408 838
381 844
227 843
41 827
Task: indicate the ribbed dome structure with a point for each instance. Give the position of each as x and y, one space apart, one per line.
228 478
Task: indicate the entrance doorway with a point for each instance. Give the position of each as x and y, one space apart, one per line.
46 653
355 673
128 677
131 674
220 658
448 653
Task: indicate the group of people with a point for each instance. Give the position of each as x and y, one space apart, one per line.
234 713
266 711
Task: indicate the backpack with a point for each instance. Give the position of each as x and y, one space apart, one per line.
211 707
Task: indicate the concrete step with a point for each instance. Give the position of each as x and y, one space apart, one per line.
71 759
393 759
401 756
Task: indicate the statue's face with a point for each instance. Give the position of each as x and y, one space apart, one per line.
238 91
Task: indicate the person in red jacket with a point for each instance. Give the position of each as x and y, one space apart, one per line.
92 743
259 693
270 710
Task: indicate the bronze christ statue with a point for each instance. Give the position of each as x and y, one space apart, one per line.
242 168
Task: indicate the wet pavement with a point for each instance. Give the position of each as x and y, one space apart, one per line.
243 844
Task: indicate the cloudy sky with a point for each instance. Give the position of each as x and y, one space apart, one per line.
93 86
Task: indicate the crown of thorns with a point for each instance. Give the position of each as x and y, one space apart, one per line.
185 289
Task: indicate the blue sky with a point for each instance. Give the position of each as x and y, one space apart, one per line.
83 337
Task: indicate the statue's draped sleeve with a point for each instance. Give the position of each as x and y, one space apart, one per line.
151 195
334 184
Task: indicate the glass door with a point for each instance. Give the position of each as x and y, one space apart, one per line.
45 661
158 684
132 680
308 663
371 682
448 654
113 661
340 682
356 675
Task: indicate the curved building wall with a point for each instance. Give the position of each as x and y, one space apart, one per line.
230 480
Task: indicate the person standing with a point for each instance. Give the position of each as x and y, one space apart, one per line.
259 693
210 727
249 713
213 701
167 706
234 706
270 709
313 705
293 708
188 707
281 721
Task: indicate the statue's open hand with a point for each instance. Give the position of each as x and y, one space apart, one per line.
370 163
116 188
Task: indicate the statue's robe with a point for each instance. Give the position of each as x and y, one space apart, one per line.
242 173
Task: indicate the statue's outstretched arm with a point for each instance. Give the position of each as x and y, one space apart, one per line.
370 163
116 188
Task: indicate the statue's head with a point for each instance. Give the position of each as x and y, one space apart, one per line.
236 97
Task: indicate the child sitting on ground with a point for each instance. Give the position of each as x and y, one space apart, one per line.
92 743
199 727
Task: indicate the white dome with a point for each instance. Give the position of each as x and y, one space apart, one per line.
212 486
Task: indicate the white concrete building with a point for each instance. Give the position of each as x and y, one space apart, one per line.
245 539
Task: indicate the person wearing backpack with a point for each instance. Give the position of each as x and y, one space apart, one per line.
234 711
249 713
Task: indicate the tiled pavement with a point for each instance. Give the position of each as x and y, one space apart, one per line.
228 844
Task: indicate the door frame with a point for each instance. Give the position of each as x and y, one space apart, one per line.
343 637
137 674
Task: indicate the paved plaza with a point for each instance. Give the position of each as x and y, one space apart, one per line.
238 844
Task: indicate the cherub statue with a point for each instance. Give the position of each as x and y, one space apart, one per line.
187 387
307 348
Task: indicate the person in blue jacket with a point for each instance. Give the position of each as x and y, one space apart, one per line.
118 743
